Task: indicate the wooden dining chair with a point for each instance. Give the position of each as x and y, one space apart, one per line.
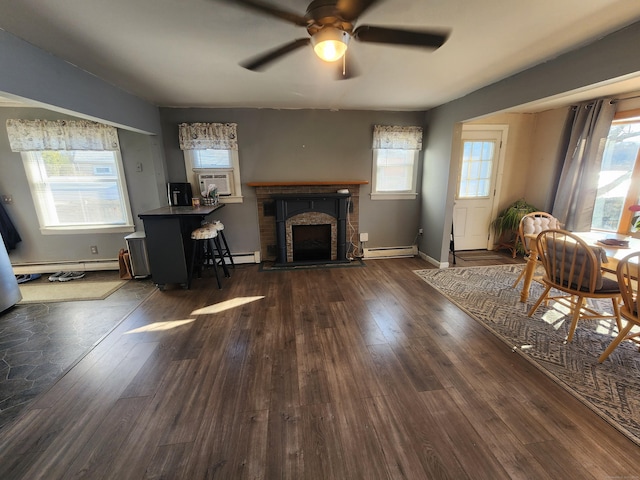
628 273
573 267
532 224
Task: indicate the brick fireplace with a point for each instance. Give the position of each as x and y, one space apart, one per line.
286 208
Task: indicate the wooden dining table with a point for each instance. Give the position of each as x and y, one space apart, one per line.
614 254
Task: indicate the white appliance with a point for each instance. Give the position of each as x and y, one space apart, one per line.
137 246
9 290
223 180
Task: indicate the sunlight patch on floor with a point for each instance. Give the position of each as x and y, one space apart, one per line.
558 313
226 305
555 316
161 326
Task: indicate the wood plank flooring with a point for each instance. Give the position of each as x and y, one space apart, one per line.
345 373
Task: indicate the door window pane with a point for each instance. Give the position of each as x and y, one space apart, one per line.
477 164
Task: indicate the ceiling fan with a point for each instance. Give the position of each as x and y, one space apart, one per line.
331 25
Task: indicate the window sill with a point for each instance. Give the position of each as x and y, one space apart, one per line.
394 196
232 199
87 230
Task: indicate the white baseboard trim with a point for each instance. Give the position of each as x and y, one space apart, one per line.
433 261
390 252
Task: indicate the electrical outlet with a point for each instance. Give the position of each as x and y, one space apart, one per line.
364 237
420 231
94 249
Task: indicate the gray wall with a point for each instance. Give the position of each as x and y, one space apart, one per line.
299 145
274 145
65 91
33 74
142 186
284 145
608 58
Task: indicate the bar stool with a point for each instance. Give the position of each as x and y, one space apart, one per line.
204 247
223 247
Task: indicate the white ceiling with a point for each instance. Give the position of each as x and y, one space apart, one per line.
185 53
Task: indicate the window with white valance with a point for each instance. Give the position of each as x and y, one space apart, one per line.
395 162
216 136
75 175
211 155
42 135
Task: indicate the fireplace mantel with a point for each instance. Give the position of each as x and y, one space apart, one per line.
304 183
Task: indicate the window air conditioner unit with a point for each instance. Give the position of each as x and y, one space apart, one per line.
222 180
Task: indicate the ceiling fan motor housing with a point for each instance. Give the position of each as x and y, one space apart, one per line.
324 13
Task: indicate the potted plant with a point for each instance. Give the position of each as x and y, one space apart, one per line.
635 221
505 226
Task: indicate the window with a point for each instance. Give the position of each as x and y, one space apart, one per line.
75 175
78 191
211 155
395 162
619 178
209 158
203 165
395 171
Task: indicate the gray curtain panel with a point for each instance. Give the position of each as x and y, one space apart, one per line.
578 183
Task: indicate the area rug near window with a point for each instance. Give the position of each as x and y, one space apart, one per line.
610 389
46 292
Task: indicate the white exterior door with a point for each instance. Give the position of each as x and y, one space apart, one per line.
478 166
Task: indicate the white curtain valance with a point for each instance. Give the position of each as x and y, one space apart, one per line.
216 136
397 137
38 135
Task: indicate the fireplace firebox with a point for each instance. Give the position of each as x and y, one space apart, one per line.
311 242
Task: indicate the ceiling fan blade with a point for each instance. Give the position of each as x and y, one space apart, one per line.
395 36
346 68
259 62
272 10
352 9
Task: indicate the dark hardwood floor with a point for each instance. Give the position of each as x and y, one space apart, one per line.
41 341
343 373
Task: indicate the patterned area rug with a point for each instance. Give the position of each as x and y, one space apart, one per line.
611 389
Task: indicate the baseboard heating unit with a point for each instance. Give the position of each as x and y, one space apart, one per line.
79 266
245 257
391 252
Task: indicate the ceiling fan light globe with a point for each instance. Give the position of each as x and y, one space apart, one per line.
330 50
330 44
